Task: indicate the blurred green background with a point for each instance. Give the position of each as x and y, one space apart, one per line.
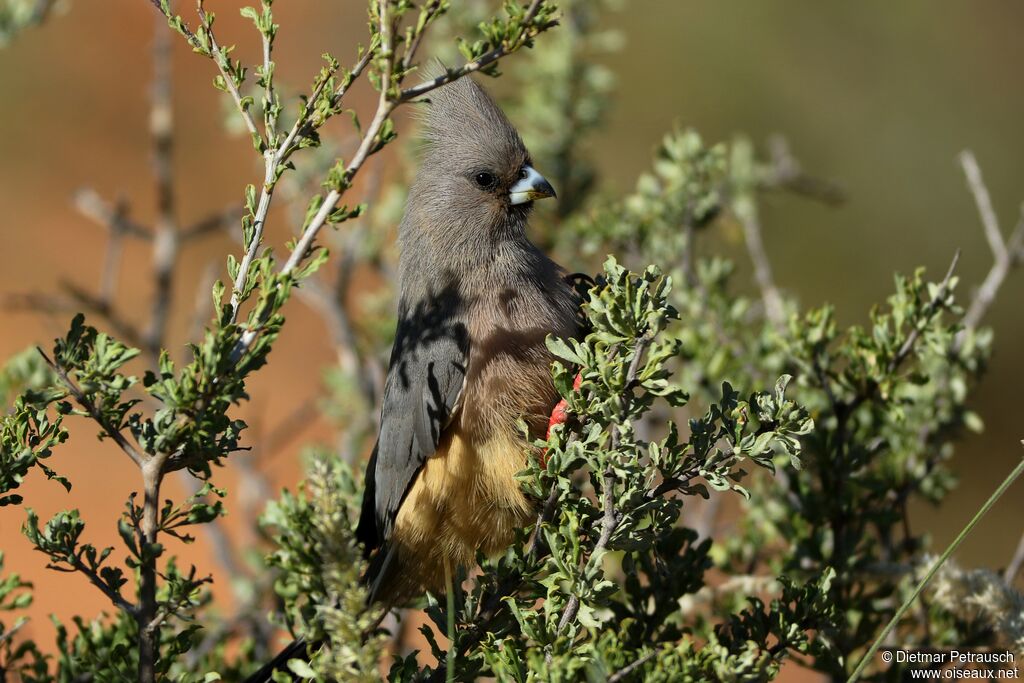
879 96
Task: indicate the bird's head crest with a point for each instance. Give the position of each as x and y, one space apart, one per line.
476 177
462 118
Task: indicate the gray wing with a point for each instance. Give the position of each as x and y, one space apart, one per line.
424 383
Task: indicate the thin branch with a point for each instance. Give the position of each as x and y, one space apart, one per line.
213 223
773 306
984 297
302 123
114 596
203 307
42 10
1007 254
111 264
627 670
786 173
220 540
165 244
112 217
222 62
94 412
256 239
1013 569
609 520
269 115
984 202
273 159
77 300
367 146
428 14
82 299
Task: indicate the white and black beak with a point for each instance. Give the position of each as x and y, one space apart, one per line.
531 185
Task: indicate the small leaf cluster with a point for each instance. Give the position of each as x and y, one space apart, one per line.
28 435
682 193
509 32
24 656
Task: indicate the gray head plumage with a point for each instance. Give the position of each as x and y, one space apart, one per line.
474 188
462 118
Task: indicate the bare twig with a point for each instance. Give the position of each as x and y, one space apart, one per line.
115 597
986 293
1006 254
92 206
76 300
705 525
773 306
213 223
786 173
165 244
1016 562
984 201
203 307
111 264
623 673
223 65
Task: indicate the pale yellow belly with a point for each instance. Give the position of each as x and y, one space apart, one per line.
465 499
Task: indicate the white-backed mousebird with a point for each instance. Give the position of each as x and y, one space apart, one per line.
476 301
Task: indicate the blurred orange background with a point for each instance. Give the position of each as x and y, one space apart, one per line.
880 96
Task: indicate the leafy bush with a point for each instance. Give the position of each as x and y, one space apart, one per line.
684 391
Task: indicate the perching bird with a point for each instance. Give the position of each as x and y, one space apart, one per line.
476 301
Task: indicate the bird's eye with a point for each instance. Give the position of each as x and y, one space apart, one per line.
484 179
523 173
